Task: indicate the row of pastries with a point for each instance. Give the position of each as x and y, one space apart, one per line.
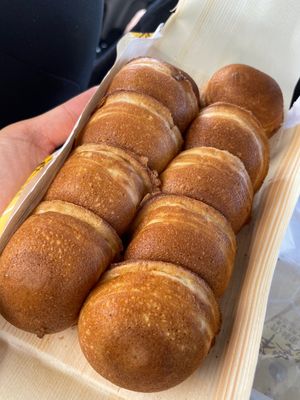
149 320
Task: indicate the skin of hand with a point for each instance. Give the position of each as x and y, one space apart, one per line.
25 144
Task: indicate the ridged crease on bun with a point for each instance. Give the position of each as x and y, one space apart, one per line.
229 127
186 232
136 122
215 177
166 83
106 180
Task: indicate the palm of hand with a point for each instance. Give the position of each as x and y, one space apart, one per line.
25 144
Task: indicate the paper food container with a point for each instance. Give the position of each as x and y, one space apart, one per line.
200 38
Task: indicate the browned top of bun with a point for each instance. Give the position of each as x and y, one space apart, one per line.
166 83
249 88
167 68
229 127
147 325
102 227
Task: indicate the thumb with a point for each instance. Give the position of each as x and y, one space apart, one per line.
52 128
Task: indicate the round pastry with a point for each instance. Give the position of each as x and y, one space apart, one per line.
109 181
186 232
249 88
215 177
136 122
51 263
171 86
148 325
229 127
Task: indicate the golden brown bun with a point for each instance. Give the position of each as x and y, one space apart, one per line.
166 83
51 263
229 127
215 177
249 88
109 181
186 232
147 325
138 123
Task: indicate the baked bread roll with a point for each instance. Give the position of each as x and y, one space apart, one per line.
215 177
186 232
249 88
51 263
229 127
171 86
109 181
136 122
148 325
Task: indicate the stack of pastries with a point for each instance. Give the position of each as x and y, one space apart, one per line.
151 319
136 327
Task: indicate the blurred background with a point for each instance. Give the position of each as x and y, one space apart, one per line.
51 50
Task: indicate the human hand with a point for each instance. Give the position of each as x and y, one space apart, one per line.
25 144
